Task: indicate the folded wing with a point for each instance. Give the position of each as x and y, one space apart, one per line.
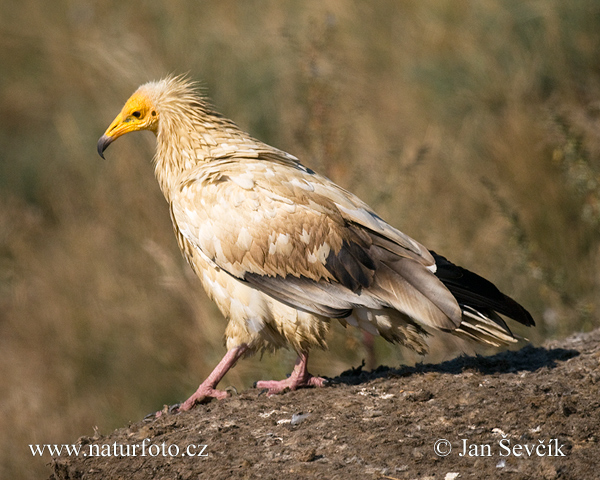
307 242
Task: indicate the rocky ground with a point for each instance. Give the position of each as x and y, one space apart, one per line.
533 413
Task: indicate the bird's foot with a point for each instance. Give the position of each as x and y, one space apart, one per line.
291 383
207 389
299 378
167 409
202 395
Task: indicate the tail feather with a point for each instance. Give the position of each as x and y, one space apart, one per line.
481 303
486 329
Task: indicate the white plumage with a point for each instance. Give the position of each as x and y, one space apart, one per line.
282 250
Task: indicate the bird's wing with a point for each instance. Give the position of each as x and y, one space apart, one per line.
307 242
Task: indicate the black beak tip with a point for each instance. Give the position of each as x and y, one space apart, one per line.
103 144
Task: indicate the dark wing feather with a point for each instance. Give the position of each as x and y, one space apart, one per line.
352 266
478 293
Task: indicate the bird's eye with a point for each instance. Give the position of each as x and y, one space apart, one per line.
137 114
153 113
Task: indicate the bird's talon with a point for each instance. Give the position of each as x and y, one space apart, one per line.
232 391
262 391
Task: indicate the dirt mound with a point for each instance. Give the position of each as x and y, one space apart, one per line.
532 413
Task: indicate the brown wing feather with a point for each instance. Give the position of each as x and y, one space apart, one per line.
303 240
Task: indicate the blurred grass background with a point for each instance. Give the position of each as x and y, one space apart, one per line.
471 126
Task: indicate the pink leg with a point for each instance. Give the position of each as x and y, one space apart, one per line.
207 388
298 379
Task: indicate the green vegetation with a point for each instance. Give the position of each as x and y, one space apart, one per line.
472 126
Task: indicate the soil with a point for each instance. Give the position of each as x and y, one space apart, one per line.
532 413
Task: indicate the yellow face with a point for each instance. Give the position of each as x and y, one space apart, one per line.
137 114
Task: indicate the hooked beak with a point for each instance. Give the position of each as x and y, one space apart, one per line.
103 144
121 125
117 128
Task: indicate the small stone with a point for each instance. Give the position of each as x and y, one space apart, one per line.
420 396
307 455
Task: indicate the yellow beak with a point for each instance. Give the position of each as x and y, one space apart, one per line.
119 126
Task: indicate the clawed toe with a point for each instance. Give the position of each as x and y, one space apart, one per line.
274 387
299 378
202 395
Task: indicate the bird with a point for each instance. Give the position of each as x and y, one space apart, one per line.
283 251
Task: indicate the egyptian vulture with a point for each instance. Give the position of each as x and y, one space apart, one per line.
283 250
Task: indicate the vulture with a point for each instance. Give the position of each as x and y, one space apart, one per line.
282 250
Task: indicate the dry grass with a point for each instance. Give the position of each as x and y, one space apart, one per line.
474 127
